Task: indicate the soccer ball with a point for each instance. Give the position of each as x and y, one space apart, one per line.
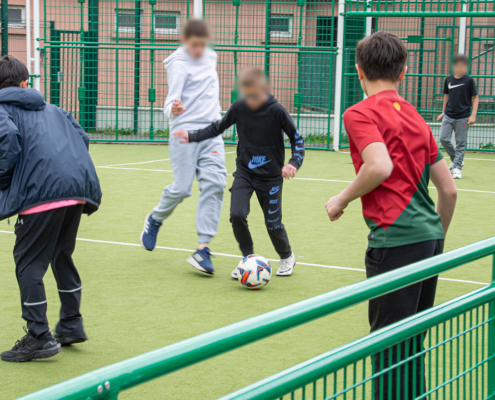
254 271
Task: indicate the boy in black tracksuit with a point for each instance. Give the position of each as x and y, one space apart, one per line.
261 122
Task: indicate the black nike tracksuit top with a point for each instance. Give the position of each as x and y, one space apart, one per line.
261 150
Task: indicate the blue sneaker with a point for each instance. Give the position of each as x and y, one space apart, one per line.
201 261
150 232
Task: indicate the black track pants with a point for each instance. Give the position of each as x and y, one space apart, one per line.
395 306
42 239
269 193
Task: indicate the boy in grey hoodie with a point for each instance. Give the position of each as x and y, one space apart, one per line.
192 103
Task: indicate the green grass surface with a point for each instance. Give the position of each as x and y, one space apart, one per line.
136 301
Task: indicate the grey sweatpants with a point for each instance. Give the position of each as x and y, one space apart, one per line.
206 161
460 127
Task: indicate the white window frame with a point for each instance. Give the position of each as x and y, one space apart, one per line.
281 33
127 29
17 25
165 31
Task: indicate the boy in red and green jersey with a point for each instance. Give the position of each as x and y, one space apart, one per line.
400 210
395 155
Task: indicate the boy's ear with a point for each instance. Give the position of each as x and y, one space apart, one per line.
24 84
360 72
403 74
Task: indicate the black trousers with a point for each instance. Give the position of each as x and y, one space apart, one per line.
269 193
395 306
42 239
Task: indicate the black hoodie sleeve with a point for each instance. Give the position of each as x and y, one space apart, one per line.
296 140
216 128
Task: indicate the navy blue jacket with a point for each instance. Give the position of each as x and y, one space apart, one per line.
43 155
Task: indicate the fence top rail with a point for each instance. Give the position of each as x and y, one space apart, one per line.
137 370
317 367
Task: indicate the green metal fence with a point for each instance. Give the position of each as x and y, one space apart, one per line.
446 352
433 32
103 58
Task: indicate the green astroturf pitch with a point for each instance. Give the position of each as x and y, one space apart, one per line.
135 301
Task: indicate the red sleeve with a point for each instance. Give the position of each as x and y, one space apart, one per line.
435 154
361 129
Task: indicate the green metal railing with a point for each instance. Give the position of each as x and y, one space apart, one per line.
458 356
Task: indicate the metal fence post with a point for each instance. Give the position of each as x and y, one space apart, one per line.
37 58
337 120
462 31
198 9
5 27
491 341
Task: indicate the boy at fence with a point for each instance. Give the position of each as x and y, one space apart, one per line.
394 155
47 177
261 122
460 95
193 102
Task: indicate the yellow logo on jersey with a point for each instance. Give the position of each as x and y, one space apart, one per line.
397 106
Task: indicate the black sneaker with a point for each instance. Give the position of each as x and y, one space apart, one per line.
29 348
67 341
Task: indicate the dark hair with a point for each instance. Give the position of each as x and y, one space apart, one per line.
252 76
196 27
460 58
12 72
381 56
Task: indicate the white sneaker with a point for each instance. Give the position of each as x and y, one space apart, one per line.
451 166
457 173
233 274
286 266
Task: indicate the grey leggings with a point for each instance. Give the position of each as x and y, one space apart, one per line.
460 127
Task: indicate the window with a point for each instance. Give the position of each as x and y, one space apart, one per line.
324 30
167 22
17 17
125 20
281 25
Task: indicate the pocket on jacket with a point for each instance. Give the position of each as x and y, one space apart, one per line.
260 160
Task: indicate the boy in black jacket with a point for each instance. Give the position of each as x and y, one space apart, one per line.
261 122
48 179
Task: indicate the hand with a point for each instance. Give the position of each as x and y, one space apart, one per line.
335 208
182 135
472 120
439 118
289 171
177 107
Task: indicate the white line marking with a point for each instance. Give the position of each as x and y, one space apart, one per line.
301 179
138 169
144 162
237 256
133 163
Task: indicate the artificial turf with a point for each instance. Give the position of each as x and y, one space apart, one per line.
136 301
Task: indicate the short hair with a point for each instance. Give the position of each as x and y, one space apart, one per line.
381 56
196 27
460 58
252 76
12 72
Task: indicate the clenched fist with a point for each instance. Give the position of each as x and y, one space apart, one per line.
177 107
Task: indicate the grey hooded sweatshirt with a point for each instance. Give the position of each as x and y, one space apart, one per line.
195 84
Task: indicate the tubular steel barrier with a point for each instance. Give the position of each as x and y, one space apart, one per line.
446 351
